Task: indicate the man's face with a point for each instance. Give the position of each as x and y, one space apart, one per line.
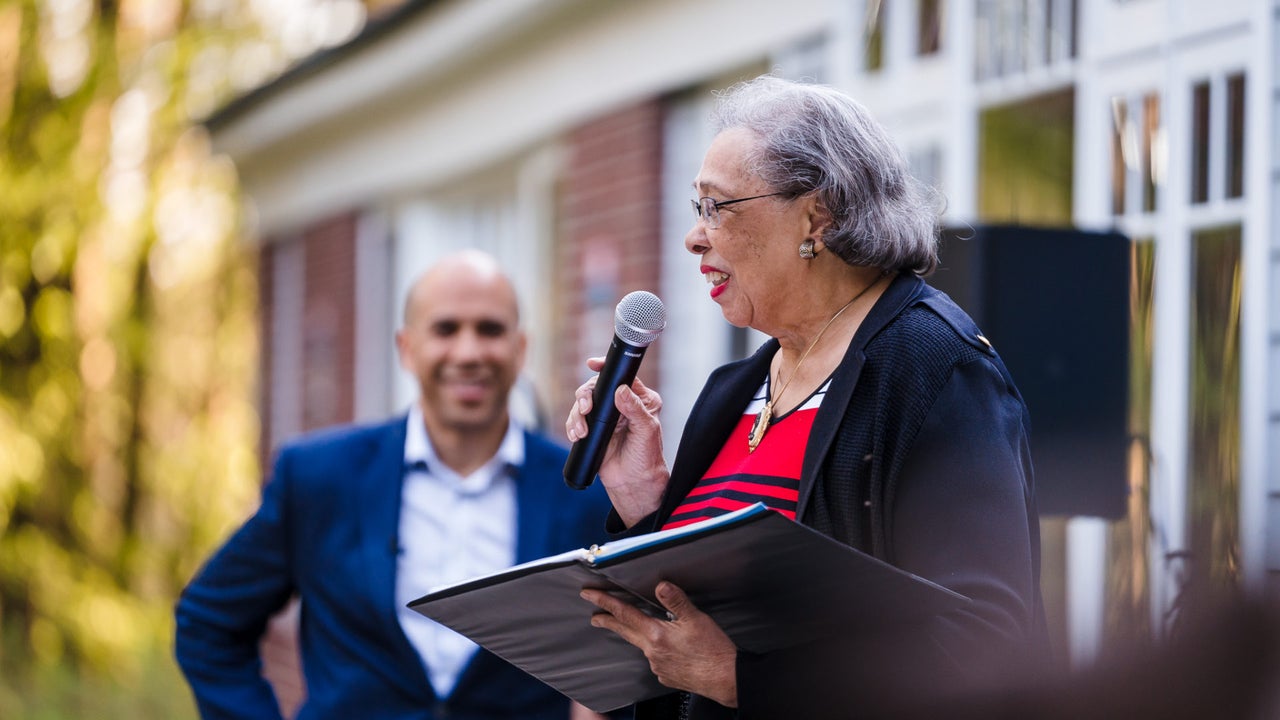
463 343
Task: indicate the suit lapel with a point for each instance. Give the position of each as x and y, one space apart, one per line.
378 497
534 512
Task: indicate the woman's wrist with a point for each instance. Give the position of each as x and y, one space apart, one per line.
637 501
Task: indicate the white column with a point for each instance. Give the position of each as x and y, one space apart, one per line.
1255 318
960 159
1086 536
697 338
1086 588
377 315
899 35
1170 361
418 225
1091 183
288 290
529 254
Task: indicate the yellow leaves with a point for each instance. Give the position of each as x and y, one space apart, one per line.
52 136
79 607
51 409
10 39
98 363
131 128
12 310
51 313
46 642
207 81
109 621
194 214
65 44
21 465
51 256
95 139
151 19
128 345
21 456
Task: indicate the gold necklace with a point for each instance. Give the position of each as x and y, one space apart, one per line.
761 424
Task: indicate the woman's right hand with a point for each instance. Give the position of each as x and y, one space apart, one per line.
633 470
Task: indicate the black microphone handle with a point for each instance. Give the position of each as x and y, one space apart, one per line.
620 367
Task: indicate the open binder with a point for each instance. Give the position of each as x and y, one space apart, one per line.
767 581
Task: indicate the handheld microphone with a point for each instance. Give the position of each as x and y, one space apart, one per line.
638 321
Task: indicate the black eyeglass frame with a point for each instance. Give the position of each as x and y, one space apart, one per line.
712 218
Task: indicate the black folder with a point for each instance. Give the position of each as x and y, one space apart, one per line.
767 581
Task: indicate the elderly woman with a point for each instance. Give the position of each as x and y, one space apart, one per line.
877 414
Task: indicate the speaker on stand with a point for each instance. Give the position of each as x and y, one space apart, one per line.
1055 304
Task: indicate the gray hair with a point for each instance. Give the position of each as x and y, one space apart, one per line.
815 139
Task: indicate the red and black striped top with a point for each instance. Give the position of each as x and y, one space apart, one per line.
771 475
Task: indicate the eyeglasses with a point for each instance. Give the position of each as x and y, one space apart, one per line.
709 210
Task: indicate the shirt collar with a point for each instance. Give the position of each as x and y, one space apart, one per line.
418 447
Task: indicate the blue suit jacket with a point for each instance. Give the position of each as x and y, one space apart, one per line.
326 531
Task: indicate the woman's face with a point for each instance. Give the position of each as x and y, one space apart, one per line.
752 260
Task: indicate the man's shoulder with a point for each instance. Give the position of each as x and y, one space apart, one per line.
544 441
541 449
544 466
341 440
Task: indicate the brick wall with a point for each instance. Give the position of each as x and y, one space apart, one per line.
328 329
266 323
608 242
322 383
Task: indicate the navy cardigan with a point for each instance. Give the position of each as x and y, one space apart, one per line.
919 455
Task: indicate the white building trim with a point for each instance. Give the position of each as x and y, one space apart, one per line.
316 146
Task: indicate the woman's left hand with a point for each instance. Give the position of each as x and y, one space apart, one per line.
689 652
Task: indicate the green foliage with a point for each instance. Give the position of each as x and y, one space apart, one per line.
1026 159
127 351
1214 457
157 692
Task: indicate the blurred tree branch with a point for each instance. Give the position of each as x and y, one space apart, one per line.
128 340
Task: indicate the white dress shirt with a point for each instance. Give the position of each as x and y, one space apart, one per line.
452 528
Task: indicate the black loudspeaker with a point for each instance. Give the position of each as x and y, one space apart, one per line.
1055 304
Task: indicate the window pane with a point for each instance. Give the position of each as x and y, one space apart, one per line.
1151 156
1012 20
1214 461
1025 161
926 165
984 37
1046 26
930 28
1200 143
1128 606
1075 21
874 32
1119 159
1235 136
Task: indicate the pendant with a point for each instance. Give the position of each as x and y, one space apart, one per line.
759 426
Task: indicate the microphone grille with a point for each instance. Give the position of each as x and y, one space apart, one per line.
640 318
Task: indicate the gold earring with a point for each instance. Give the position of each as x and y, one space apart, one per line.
806 249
